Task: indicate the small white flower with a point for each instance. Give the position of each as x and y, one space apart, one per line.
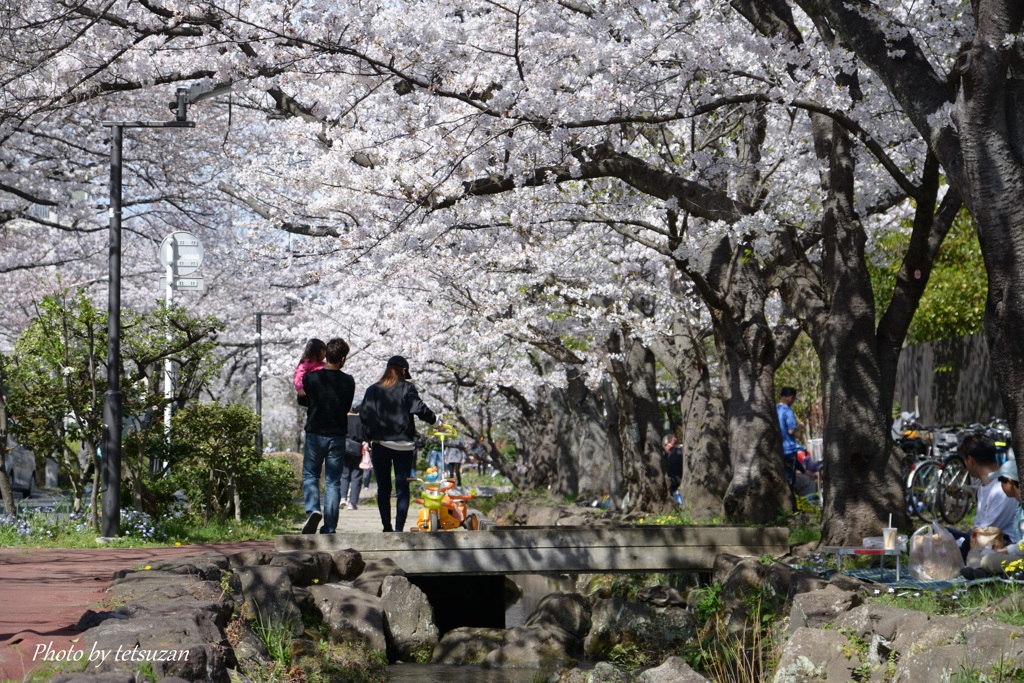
877 591
892 590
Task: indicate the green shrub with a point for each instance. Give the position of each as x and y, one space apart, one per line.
217 444
270 489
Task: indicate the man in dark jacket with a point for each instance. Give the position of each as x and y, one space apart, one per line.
330 392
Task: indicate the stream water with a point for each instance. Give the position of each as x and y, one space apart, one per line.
534 587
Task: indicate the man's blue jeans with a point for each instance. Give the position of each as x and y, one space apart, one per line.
327 452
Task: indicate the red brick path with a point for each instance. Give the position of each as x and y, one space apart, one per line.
44 591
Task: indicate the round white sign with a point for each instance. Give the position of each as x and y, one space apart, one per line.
183 252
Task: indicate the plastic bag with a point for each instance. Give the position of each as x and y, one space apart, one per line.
365 463
934 554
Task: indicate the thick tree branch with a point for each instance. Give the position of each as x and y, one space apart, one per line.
266 212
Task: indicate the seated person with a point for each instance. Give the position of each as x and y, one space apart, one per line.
995 508
995 562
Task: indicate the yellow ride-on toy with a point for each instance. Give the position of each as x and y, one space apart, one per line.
441 510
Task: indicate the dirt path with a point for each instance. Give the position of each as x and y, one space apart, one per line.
44 591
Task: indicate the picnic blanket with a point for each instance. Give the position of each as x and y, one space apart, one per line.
887 577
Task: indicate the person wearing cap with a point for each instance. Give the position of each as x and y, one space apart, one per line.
1008 479
996 561
387 412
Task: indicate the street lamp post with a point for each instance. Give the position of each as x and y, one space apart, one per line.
111 526
259 373
112 405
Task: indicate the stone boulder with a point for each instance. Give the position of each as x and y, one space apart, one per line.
348 564
815 655
984 650
618 622
672 670
408 618
723 565
821 607
351 615
208 566
467 645
542 646
374 573
603 672
570 612
306 568
928 647
746 576
248 646
160 591
186 644
267 598
249 558
904 630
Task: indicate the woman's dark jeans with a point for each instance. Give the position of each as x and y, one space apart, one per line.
384 459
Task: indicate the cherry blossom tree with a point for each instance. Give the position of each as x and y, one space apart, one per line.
961 99
369 142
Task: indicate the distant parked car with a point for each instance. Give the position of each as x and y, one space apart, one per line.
21 468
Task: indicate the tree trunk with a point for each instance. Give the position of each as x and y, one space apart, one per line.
591 443
541 448
632 368
616 478
566 472
5 482
5 485
236 498
93 519
736 296
861 478
758 491
991 129
706 467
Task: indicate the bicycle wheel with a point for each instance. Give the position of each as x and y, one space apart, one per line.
922 490
955 498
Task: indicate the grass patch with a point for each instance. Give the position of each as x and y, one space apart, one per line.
302 660
997 600
188 531
800 534
725 654
679 516
58 527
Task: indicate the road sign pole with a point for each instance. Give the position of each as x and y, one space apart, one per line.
168 383
181 253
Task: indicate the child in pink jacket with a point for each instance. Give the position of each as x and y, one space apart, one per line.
312 359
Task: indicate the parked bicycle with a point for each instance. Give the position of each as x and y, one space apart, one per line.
919 471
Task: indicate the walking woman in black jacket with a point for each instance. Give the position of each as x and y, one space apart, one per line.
387 415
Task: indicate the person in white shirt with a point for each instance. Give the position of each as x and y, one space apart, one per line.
998 560
995 508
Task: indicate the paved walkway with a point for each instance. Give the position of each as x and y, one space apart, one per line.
44 591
